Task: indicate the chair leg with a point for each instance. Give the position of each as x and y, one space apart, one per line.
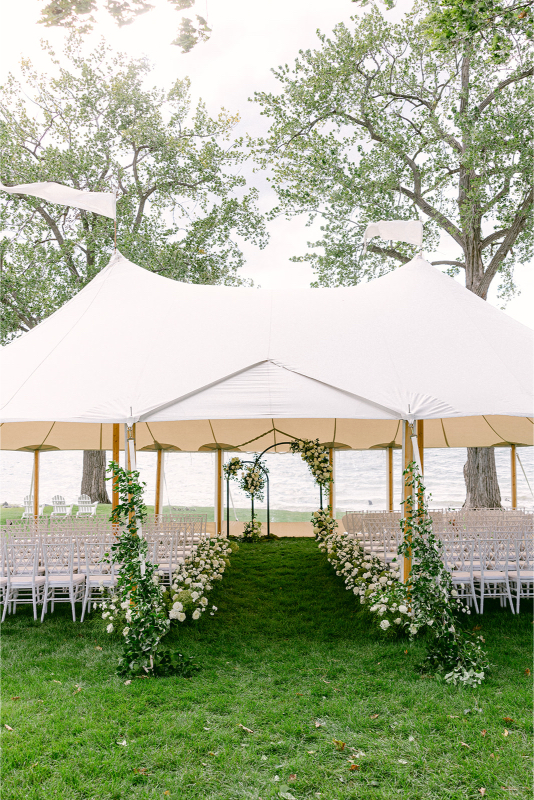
474 597
45 602
508 592
84 604
481 596
6 603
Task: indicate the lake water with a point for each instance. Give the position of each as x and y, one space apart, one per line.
190 478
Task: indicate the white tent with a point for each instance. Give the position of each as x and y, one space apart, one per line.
203 366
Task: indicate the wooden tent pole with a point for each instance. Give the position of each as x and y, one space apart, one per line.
407 491
157 502
420 432
36 484
219 492
115 458
390 477
513 464
331 488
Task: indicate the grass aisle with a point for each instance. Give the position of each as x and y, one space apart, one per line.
289 656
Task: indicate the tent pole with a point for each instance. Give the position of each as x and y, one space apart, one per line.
36 484
407 491
331 488
159 485
513 464
389 476
420 431
115 457
219 492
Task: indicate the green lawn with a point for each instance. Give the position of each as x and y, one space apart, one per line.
243 514
289 656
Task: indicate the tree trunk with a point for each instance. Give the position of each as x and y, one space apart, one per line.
94 476
480 476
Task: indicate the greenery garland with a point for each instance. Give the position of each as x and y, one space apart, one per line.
426 605
138 590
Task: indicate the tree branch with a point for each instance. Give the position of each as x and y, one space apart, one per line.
389 251
512 79
451 263
509 240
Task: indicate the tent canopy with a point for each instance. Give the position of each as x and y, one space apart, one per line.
201 367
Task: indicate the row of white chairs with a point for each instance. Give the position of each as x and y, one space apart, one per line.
479 567
50 569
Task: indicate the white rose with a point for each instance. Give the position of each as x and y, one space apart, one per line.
109 628
196 613
181 616
384 624
126 631
178 606
403 609
203 601
397 621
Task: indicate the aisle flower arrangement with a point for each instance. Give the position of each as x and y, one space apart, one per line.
252 530
195 578
426 604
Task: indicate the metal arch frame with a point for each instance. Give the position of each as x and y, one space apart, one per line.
266 473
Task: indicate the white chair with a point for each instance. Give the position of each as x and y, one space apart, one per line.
85 507
60 507
493 575
458 557
62 584
24 584
98 572
28 508
521 568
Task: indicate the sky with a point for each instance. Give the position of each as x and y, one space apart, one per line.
248 40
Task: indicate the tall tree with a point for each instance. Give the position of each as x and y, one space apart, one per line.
383 122
93 124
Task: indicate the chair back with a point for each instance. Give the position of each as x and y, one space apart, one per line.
58 557
23 558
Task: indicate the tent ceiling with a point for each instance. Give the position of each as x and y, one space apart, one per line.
205 366
256 435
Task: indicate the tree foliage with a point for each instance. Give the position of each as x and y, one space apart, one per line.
379 124
78 15
182 207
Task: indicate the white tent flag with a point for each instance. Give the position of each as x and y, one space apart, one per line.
98 202
398 230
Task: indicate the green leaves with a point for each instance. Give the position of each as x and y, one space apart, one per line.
182 206
376 123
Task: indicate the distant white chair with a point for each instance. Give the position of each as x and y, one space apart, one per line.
60 507
24 584
62 584
28 508
85 507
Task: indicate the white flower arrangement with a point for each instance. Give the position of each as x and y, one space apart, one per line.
426 603
252 530
316 457
194 579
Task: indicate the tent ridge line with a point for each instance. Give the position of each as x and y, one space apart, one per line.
163 406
